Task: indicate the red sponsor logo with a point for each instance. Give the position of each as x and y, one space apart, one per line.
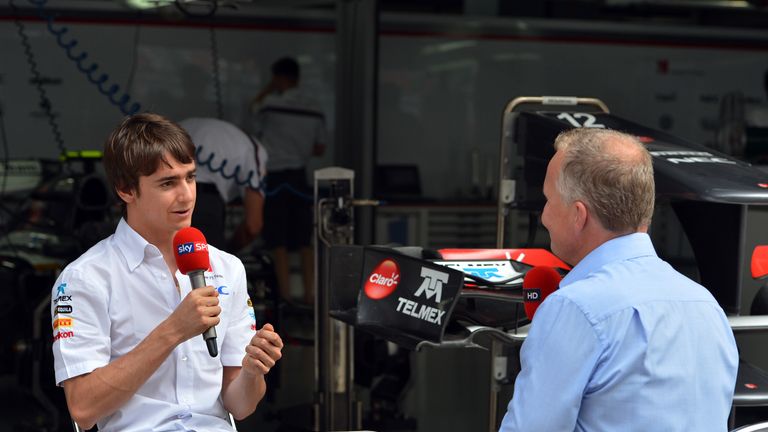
383 280
63 335
750 386
763 185
645 139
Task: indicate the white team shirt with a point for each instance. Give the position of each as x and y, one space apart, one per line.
289 125
108 300
225 156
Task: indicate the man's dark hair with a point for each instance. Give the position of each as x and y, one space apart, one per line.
286 67
139 144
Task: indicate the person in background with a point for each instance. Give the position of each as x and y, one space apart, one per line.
230 165
292 128
627 343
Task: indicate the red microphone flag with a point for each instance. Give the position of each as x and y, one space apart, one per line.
538 283
191 250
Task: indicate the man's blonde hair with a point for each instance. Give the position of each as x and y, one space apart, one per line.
611 173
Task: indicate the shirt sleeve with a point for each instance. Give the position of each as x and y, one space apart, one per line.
81 326
242 325
557 360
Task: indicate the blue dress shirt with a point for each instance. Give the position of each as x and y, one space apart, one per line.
626 344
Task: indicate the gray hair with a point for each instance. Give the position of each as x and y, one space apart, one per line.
611 173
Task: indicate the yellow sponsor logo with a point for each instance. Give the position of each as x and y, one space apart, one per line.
62 322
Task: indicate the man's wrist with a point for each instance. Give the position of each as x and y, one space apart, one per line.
251 375
168 334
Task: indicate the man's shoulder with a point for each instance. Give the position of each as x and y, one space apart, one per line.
93 268
102 254
626 284
292 99
220 257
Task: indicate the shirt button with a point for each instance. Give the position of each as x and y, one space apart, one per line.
184 358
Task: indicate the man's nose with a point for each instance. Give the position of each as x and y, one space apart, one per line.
188 190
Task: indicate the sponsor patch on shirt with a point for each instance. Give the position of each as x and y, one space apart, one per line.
63 335
213 276
63 322
64 309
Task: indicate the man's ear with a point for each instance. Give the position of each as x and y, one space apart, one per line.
580 216
128 195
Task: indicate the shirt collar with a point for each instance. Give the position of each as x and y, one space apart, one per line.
131 244
618 249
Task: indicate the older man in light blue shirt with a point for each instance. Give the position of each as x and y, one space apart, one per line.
627 343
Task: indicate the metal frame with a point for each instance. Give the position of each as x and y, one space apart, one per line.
757 427
335 407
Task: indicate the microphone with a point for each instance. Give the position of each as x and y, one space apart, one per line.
191 252
538 284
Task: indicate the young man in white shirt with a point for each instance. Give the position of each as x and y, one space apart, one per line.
127 324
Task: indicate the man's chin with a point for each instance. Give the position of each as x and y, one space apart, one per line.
182 224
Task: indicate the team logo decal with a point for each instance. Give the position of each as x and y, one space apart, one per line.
432 285
61 293
383 280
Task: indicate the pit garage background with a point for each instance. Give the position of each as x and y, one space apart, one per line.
418 119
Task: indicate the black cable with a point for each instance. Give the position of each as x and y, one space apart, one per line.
215 69
12 215
45 102
132 72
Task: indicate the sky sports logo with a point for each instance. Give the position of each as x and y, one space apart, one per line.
191 247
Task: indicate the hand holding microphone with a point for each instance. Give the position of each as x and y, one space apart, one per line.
191 252
538 284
